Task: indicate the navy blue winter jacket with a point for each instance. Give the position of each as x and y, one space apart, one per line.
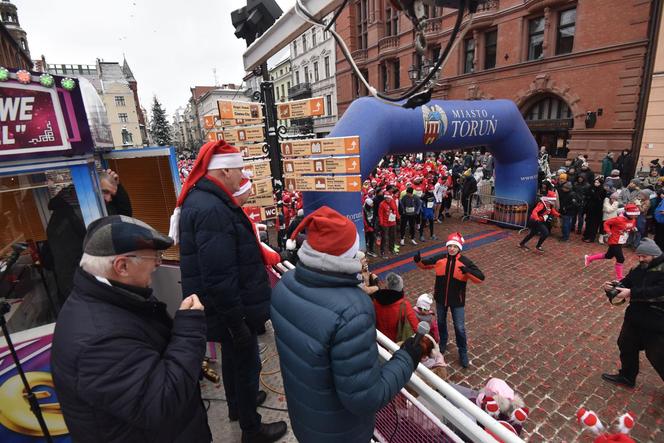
124 371
221 261
325 329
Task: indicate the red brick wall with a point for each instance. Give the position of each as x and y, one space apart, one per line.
603 71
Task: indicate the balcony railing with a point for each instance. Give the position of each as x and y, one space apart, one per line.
359 55
303 90
433 26
387 44
487 6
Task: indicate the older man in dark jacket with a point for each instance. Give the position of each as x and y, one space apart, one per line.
643 326
123 370
325 328
221 261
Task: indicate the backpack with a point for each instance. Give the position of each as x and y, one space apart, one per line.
404 329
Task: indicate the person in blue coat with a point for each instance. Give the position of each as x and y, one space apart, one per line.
221 261
325 331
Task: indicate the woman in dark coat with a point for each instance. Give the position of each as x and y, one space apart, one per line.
594 203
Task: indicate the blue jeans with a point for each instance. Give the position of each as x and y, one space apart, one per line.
458 318
566 226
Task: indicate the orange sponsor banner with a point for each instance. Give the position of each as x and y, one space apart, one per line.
321 146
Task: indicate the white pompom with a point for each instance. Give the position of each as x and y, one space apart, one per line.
291 244
174 228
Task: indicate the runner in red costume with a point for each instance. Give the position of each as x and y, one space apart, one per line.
618 229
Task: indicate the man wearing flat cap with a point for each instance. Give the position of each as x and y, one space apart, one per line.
643 326
123 370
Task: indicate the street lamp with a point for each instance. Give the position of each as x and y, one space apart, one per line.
413 73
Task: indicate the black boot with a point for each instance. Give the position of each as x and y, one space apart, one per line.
619 379
267 433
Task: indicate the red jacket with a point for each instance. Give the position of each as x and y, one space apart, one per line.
450 288
385 209
541 210
387 304
618 229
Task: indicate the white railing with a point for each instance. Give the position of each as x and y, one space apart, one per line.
447 404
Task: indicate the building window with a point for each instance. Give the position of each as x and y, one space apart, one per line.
397 72
391 22
566 31
283 92
549 108
306 74
287 85
119 100
316 71
328 102
304 43
490 46
127 137
297 77
362 22
295 48
358 87
313 38
536 38
327 67
469 55
123 117
326 35
384 80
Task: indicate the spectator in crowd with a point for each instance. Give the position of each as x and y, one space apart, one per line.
370 282
613 183
115 195
123 370
608 165
468 188
369 226
233 285
643 325
570 203
594 205
388 215
424 313
411 207
610 208
642 202
652 180
428 205
618 229
630 193
582 189
393 310
625 164
453 271
586 172
659 220
325 331
65 233
539 217
562 179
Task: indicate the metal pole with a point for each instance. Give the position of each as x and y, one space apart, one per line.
267 92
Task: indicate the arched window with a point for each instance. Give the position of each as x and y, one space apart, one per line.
24 46
549 107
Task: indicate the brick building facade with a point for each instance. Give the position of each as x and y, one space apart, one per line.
574 67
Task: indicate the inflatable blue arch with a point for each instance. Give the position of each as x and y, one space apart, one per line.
437 126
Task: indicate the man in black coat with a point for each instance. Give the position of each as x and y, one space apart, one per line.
221 261
123 370
643 326
115 196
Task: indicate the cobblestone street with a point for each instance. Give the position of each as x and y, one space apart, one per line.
541 322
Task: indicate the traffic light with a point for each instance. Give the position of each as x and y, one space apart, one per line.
253 20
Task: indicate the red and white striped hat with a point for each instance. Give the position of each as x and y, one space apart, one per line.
455 239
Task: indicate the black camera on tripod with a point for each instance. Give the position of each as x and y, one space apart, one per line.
613 292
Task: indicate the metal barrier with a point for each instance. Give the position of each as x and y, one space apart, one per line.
502 211
406 421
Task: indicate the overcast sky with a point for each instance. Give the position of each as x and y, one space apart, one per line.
170 45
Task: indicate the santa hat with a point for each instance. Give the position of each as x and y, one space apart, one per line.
491 406
550 197
632 209
245 184
589 420
328 232
213 155
626 422
455 239
519 415
387 195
